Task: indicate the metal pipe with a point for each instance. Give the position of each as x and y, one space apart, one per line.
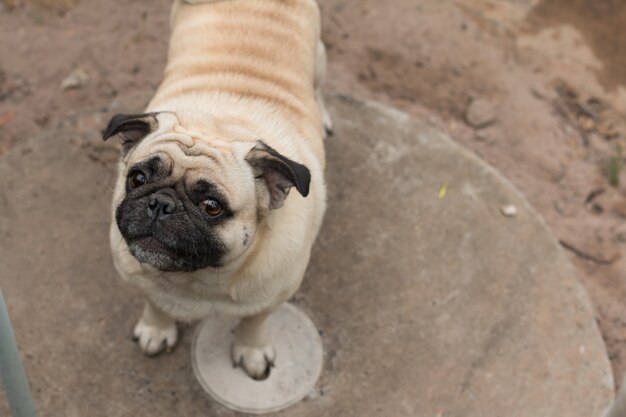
12 372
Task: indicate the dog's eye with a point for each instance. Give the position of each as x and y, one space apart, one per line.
136 179
211 207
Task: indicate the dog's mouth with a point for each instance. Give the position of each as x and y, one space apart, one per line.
150 244
154 252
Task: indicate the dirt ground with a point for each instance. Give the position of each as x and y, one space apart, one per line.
536 88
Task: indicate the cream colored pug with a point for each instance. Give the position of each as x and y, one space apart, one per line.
203 218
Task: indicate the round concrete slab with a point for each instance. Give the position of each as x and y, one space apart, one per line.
427 306
296 369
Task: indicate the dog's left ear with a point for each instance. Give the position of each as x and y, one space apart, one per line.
132 128
278 172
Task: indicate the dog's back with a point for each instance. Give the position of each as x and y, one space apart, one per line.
258 50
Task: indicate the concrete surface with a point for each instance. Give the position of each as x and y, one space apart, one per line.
427 306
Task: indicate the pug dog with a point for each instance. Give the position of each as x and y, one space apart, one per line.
205 222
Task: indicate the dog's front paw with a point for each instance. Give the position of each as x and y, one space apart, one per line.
153 339
255 361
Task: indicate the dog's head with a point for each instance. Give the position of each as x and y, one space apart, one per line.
182 204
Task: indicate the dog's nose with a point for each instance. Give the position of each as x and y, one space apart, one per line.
160 206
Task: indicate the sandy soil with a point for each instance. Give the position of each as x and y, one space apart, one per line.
536 88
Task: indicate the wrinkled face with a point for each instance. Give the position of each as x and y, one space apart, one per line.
183 222
184 204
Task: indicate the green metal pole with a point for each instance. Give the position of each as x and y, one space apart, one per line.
12 372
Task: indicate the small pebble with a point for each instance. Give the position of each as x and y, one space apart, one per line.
509 210
76 79
480 114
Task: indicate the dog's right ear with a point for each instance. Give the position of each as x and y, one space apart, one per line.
132 128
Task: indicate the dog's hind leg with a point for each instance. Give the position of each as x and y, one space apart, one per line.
320 77
253 349
155 331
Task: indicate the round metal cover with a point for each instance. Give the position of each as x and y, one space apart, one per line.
298 363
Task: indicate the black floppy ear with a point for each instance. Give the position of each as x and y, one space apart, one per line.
279 173
132 128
